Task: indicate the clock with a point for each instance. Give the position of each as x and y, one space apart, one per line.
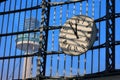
77 35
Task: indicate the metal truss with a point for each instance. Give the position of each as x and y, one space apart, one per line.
30 31
43 38
43 41
53 52
110 35
50 4
42 53
63 3
85 77
117 15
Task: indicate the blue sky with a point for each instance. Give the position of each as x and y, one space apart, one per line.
18 24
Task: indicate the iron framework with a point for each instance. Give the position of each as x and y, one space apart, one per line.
45 57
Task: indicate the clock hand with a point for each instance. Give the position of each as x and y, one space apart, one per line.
76 21
76 30
73 29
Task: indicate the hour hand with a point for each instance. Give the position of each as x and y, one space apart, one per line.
74 30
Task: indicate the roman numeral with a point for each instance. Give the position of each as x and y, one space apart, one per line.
63 36
69 47
64 43
75 48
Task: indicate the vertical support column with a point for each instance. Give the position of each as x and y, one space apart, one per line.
41 64
110 35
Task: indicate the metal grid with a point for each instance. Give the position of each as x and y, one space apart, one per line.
49 61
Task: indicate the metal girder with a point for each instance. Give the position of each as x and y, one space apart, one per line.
52 52
31 31
41 65
19 56
20 10
2 0
65 2
41 61
104 18
110 35
94 76
40 6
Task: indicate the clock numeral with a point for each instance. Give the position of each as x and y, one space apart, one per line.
82 46
88 39
70 23
89 24
69 47
65 28
63 36
90 32
75 48
76 20
64 43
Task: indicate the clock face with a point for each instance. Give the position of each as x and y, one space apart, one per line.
77 35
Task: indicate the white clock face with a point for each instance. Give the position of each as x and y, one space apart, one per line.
77 35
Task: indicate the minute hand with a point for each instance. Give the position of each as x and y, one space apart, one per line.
74 30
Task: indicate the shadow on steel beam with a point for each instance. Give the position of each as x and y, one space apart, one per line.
2 0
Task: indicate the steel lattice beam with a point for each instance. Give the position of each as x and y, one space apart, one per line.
40 6
43 39
104 18
94 76
43 42
52 52
110 35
